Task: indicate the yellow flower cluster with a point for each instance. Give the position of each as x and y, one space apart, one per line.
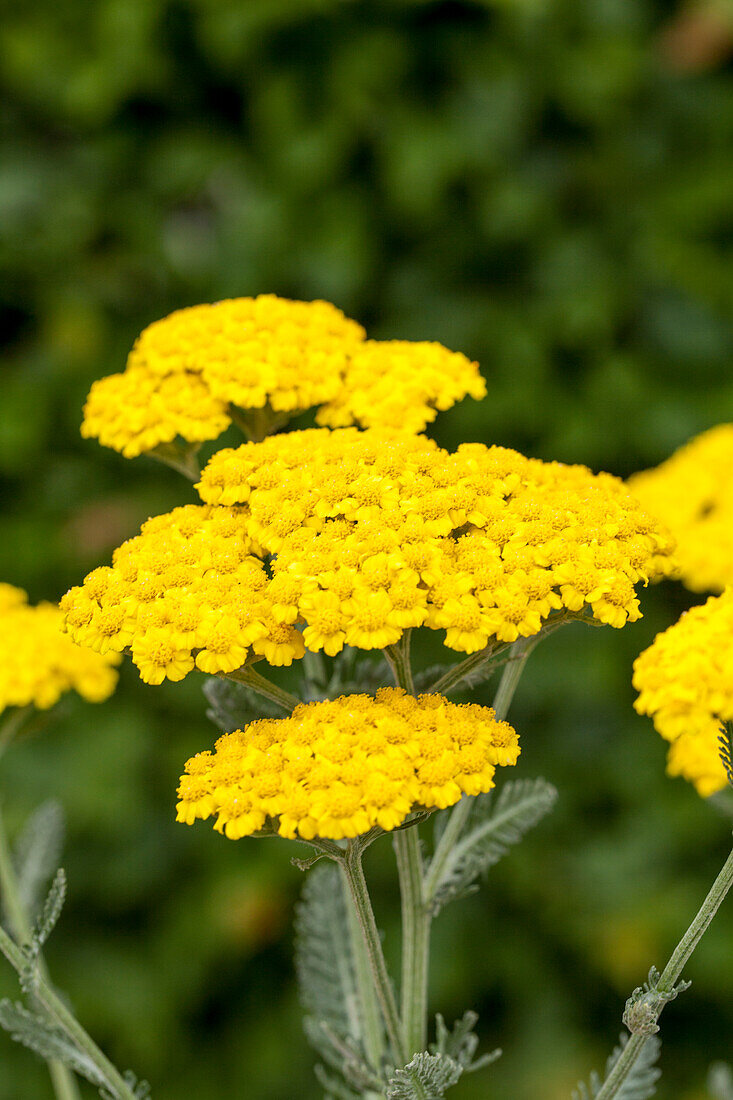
401 385
38 662
185 371
188 372
685 682
321 539
692 494
337 768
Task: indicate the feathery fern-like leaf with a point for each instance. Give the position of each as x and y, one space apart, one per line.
37 854
51 911
495 825
425 1077
232 706
39 1035
641 1081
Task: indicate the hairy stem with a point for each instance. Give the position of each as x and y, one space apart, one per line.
416 920
359 894
250 678
670 975
369 1016
63 1080
513 670
68 1023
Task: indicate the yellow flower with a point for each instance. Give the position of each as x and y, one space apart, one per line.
692 494
189 374
335 769
685 682
320 539
39 662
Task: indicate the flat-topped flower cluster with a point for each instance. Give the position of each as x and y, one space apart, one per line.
39 662
321 539
336 769
692 494
685 682
188 374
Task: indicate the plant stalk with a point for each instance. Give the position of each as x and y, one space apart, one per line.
369 1016
416 920
354 873
250 678
64 1083
510 678
68 1023
671 973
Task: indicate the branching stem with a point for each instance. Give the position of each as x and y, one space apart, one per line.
259 684
670 975
68 1023
513 670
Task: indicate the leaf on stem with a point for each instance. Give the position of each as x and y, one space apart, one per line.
40 1035
460 1043
641 1081
232 706
51 911
496 823
327 979
425 1077
37 854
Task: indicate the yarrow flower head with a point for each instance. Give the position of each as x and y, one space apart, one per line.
692 494
336 769
685 682
189 373
320 539
401 385
39 662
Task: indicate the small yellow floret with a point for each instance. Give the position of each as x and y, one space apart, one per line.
321 539
685 682
39 662
692 494
335 769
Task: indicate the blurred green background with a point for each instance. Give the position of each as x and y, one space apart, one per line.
545 185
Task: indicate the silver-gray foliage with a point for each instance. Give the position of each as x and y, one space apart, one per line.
37 855
51 911
40 1035
232 706
461 1042
327 981
425 1077
496 823
641 1081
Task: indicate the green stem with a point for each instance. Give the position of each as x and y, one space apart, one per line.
416 920
247 675
398 659
369 1017
455 676
68 1023
669 977
359 894
257 424
12 724
181 459
513 670
63 1080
